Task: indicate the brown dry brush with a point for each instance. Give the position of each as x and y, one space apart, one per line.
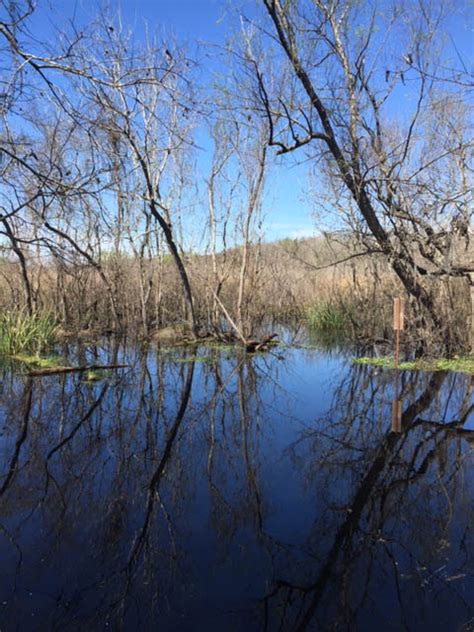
289 280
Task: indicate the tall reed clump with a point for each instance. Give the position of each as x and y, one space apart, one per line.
24 333
328 319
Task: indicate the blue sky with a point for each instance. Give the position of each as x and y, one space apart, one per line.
199 22
287 212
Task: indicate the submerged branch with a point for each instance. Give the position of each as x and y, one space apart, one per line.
72 369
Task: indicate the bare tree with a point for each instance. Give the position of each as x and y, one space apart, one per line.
235 188
142 102
133 105
360 101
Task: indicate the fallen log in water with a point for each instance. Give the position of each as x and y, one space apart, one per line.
73 369
252 346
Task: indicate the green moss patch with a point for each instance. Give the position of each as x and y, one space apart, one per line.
460 365
37 362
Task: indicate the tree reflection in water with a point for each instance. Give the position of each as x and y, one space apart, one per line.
243 493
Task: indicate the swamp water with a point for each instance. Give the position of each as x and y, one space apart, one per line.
226 492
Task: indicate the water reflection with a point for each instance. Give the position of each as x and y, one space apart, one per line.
240 493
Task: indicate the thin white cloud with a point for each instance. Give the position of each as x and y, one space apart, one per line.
302 232
279 230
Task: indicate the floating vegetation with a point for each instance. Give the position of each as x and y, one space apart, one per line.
38 367
459 365
223 347
39 362
195 359
208 351
95 375
24 333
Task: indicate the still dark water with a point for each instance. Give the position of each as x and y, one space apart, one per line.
246 493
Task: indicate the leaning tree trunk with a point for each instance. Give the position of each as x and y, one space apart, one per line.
347 157
188 296
155 210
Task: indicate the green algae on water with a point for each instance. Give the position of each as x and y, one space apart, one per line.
194 359
459 365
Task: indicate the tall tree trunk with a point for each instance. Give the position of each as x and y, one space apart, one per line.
29 299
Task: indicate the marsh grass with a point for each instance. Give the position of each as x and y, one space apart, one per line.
328 319
22 333
459 365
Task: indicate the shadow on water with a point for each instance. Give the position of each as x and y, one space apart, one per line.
256 493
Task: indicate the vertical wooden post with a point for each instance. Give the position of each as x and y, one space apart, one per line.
398 324
397 349
396 415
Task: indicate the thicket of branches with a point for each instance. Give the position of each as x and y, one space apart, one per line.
108 220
